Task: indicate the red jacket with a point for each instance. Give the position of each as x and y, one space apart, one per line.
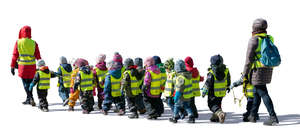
25 71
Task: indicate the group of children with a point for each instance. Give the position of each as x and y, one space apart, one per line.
142 86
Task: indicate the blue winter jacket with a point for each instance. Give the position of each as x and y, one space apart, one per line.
107 85
67 67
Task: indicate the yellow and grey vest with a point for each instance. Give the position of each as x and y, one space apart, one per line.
220 86
86 82
26 49
257 63
156 82
66 77
196 88
169 85
249 91
101 76
188 83
44 82
115 86
134 83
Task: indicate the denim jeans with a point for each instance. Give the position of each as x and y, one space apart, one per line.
26 84
182 104
261 91
170 102
63 92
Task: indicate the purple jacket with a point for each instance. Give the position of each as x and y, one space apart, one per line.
147 79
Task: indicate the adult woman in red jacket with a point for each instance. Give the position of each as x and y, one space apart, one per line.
25 54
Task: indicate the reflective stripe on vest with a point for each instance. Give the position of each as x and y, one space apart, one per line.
66 76
26 49
134 83
44 82
220 86
86 82
115 86
196 88
257 63
169 86
156 82
249 90
101 76
188 84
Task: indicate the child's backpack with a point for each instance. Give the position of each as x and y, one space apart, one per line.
270 56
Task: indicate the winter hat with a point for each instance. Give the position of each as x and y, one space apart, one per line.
138 62
81 62
180 66
117 57
189 63
101 58
128 62
216 60
41 63
149 61
63 60
169 64
157 60
259 25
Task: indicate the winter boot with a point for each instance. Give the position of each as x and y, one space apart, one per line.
142 111
32 102
66 102
214 118
153 116
272 121
104 112
173 119
71 108
252 119
26 102
85 112
121 112
191 120
221 115
133 115
45 109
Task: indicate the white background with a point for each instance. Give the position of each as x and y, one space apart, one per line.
138 28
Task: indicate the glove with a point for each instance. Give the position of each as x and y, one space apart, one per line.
204 92
94 91
177 96
71 90
31 87
201 78
236 83
228 90
12 71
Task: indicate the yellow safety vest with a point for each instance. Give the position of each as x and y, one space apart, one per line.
220 86
86 83
156 82
257 63
44 82
26 49
169 85
249 91
196 88
66 76
134 83
115 86
188 83
101 76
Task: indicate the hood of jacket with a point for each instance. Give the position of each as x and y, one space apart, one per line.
219 71
189 63
102 66
85 69
186 74
25 32
116 73
154 69
161 67
67 67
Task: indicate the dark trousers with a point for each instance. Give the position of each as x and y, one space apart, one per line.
194 108
214 103
26 84
261 92
118 101
132 103
87 100
42 95
154 105
63 92
100 96
170 102
140 102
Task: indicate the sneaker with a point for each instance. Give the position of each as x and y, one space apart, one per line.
121 112
272 121
65 102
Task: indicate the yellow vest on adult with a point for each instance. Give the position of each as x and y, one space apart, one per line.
188 83
220 86
169 85
115 86
257 63
134 83
101 76
196 88
156 83
44 82
66 76
86 82
26 49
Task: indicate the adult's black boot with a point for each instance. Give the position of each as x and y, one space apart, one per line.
272 121
252 119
